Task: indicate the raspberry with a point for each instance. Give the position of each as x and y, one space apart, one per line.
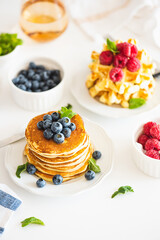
134 50
142 139
116 74
124 48
106 58
120 61
152 143
133 64
155 131
147 127
152 153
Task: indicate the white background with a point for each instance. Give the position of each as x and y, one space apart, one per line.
91 215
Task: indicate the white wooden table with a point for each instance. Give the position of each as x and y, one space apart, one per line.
91 215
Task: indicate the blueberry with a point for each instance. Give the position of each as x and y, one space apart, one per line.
38 90
22 79
32 65
39 71
48 134
49 72
40 183
22 87
72 126
35 85
66 122
40 67
58 138
66 132
90 175
44 76
31 169
56 80
23 72
29 90
55 116
57 179
15 80
28 84
30 73
96 155
50 83
40 125
56 127
45 88
36 77
41 84
55 73
47 117
47 124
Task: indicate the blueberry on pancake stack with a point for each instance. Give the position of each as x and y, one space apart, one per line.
57 143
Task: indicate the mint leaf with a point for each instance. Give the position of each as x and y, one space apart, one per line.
20 169
136 102
8 43
65 112
112 46
122 190
93 166
69 106
31 220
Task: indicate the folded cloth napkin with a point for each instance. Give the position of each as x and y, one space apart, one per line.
120 19
9 202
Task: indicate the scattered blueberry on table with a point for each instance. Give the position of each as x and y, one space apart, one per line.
37 78
56 128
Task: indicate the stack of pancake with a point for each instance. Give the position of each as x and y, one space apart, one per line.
69 159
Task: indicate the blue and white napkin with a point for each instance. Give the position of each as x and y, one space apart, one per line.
9 202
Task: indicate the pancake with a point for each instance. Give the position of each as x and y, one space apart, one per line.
69 159
40 145
48 177
57 167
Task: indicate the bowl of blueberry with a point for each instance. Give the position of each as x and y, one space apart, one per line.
37 84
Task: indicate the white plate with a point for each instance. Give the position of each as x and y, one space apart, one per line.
101 142
81 93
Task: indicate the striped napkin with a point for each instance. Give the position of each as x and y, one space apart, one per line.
9 202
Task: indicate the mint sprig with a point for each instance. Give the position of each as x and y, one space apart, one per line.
93 166
112 46
31 220
20 169
69 106
8 42
65 112
122 190
136 102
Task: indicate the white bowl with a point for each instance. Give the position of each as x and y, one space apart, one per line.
6 59
36 101
148 165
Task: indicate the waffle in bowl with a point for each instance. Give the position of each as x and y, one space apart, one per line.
69 159
138 84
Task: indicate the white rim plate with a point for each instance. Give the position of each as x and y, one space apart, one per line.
81 94
101 142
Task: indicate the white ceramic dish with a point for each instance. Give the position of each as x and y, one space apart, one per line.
36 101
148 165
81 93
6 59
101 142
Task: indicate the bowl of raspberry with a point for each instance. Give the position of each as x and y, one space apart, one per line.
36 84
146 146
